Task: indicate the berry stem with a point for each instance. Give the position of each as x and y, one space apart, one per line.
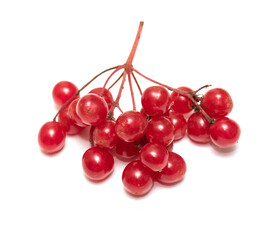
83 87
134 48
134 77
186 94
206 86
131 90
116 102
116 70
115 82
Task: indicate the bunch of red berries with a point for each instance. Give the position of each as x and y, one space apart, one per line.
143 138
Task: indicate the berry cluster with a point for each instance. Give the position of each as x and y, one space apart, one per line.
142 138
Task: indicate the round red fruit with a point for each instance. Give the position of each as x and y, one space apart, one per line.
137 179
105 94
63 91
92 109
155 100
154 156
174 170
225 132
69 126
51 137
179 123
73 114
198 128
217 103
97 163
104 134
131 125
160 130
180 103
126 150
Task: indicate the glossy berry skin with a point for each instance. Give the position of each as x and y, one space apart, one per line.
73 114
198 128
179 123
126 150
63 91
180 103
51 137
69 126
104 134
92 109
155 100
131 125
225 132
160 130
154 156
136 179
174 170
107 96
97 163
217 103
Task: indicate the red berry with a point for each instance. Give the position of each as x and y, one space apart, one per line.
97 163
225 132
160 130
92 109
174 170
73 114
51 137
179 123
107 96
217 103
131 125
126 150
180 103
104 134
155 100
198 128
136 179
69 126
63 91
154 156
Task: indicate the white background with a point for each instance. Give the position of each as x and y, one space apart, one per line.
225 195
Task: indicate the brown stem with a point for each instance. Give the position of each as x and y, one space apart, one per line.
184 93
78 92
206 86
115 82
134 48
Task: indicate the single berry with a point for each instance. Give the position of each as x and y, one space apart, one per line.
126 150
198 128
174 170
131 125
160 130
179 123
104 134
92 109
51 137
105 94
69 126
180 103
154 156
63 91
97 163
225 132
136 179
155 100
217 103
73 114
